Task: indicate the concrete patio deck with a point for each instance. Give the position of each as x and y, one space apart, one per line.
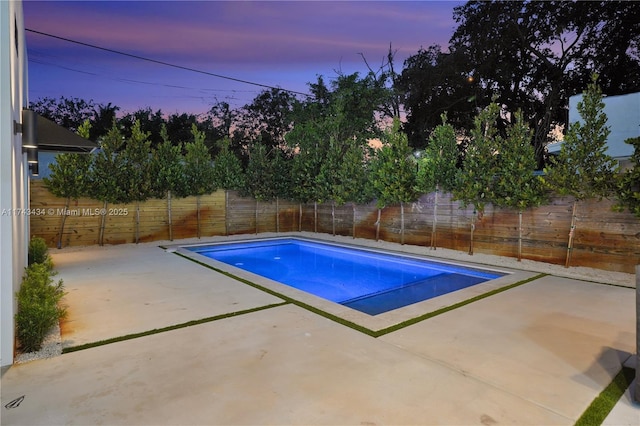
535 354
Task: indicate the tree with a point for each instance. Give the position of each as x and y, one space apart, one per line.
227 169
69 113
198 169
434 83
437 166
476 179
517 187
222 118
137 170
69 176
268 118
167 173
259 182
583 169
628 184
106 175
282 186
352 182
307 142
148 121
393 173
103 118
536 54
328 179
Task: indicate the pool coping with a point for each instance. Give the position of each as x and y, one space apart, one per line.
375 323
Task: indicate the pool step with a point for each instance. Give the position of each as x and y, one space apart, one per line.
374 304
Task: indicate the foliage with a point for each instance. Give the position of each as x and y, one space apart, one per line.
533 54
198 168
69 173
260 174
306 139
167 168
343 175
268 118
136 163
282 182
517 187
437 166
393 169
434 83
149 122
69 113
476 179
628 184
38 306
227 169
583 169
106 177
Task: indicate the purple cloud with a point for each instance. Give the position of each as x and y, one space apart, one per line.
276 43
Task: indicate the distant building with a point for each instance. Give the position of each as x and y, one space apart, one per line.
623 119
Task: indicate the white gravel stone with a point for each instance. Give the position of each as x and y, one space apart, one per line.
51 347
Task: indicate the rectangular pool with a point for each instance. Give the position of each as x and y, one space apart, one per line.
368 281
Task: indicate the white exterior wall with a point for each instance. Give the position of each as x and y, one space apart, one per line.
623 119
14 228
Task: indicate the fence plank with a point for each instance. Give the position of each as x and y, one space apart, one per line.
603 239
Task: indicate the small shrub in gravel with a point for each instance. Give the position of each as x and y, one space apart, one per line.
38 306
39 252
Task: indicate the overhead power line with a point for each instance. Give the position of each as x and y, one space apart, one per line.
168 64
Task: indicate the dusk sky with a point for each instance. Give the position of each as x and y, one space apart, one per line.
282 44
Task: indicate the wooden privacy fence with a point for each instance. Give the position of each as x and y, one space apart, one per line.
602 238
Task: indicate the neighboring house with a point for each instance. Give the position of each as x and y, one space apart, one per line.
22 135
623 119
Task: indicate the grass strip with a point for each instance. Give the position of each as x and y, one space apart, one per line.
440 311
604 403
168 328
358 327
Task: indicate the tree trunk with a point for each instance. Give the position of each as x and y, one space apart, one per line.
226 212
198 214
62 221
277 214
401 223
435 220
256 213
519 235
315 216
378 226
169 215
353 231
137 221
473 228
103 221
572 232
333 217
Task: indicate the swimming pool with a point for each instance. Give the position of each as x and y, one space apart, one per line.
369 281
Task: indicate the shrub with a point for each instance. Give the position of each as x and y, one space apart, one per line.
38 308
39 252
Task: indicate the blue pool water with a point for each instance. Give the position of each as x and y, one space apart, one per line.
371 282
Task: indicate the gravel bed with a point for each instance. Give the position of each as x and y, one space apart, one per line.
51 347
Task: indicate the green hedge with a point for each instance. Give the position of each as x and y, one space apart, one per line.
38 298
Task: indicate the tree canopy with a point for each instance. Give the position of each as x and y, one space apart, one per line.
531 55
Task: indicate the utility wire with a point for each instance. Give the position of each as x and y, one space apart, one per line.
155 61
